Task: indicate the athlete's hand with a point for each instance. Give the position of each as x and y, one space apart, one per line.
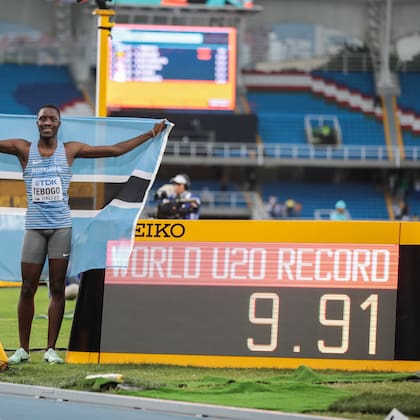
159 127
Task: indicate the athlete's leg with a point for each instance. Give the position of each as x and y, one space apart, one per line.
33 256
58 256
26 307
58 269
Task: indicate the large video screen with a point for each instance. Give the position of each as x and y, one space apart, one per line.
171 67
209 3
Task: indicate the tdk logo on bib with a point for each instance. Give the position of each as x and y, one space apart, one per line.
48 182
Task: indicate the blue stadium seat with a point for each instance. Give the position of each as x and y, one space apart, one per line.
30 86
364 201
413 201
409 100
359 81
411 145
281 118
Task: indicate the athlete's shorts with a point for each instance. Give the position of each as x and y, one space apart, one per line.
38 243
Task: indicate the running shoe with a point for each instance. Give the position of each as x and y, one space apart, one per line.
19 356
52 357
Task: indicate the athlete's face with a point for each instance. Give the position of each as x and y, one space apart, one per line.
48 123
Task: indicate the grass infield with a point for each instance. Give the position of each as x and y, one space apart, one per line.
354 395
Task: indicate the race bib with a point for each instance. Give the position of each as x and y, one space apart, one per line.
46 189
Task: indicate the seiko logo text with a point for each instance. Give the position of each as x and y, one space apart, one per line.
160 230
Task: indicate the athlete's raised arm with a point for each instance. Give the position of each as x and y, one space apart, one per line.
76 149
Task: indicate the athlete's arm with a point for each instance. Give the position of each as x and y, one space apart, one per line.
76 149
17 147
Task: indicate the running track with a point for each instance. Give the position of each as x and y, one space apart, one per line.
19 402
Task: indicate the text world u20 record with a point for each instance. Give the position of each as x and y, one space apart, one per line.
274 264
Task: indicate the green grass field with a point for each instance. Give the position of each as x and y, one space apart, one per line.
355 395
8 319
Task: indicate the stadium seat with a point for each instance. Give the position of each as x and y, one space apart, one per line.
364 201
30 86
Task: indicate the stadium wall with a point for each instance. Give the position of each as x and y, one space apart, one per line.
36 14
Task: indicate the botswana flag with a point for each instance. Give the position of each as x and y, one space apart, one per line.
132 174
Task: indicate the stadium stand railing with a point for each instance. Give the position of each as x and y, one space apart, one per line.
271 154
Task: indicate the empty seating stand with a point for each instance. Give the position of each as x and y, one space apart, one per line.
409 105
29 87
357 81
364 201
281 117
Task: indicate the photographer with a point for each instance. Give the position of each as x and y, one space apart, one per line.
179 202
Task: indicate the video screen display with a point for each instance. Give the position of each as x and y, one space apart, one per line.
209 3
171 67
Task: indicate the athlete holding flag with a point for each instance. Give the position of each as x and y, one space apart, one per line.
47 174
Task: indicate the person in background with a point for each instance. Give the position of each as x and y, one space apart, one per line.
274 208
402 211
340 212
181 203
290 204
207 197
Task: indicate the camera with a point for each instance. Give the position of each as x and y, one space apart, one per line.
160 195
175 209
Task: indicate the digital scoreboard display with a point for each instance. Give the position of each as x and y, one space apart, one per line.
171 67
254 299
256 294
247 4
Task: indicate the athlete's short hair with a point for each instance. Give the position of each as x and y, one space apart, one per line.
52 107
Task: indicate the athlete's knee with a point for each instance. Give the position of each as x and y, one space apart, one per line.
27 290
57 289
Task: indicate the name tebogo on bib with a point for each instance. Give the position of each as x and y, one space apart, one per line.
46 189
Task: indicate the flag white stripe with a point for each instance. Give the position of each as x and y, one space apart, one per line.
125 205
112 178
11 175
87 178
17 211
84 213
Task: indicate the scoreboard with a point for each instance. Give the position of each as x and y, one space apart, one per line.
248 4
257 294
171 67
276 300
